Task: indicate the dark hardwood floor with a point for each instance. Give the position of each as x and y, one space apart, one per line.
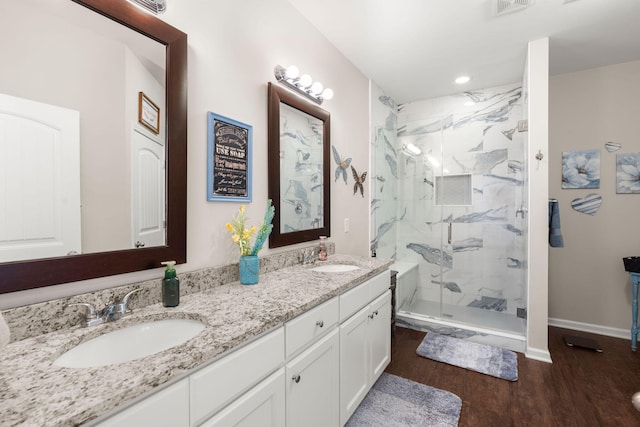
580 388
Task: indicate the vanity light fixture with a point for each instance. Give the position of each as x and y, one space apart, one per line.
462 80
151 6
302 84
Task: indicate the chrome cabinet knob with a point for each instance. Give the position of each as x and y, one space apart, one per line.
296 378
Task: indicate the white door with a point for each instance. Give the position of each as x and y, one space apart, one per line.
262 406
39 180
313 385
147 188
380 335
354 363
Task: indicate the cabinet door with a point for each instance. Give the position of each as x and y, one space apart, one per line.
380 335
313 385
169 407
262 406
354 362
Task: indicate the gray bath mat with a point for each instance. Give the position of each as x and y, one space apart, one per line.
486 359
395 401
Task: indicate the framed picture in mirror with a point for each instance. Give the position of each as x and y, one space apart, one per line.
228 159
148 113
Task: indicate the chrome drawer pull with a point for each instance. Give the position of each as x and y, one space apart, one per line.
296 378
320 323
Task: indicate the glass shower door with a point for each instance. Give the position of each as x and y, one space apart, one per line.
478 194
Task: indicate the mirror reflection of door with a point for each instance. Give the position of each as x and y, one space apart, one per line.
39 180
147 188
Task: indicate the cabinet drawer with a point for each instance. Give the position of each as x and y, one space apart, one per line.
380 284
216 385
166 407
356 298
305 328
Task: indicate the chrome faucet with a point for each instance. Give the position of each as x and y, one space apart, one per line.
311 257
110 313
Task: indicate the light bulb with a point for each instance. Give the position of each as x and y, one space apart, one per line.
292 72
305 81
316 88
327 93
462 80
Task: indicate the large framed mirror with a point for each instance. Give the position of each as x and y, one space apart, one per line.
134 56
299 186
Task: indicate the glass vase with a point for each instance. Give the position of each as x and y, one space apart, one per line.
249 269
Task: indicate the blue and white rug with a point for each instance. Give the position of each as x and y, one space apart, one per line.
483 358
395 401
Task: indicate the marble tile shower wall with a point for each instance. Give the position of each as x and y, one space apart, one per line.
483 265
384 207
37 319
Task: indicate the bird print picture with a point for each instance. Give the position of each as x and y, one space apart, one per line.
343 164
359 181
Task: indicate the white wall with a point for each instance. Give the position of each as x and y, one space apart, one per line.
538 108
588 287
233 47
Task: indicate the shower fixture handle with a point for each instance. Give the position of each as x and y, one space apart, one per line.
521 211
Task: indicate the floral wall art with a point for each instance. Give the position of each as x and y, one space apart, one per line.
581 169
628 173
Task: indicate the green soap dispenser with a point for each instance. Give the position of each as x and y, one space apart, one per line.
170 286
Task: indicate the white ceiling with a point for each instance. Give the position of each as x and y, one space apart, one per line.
414 49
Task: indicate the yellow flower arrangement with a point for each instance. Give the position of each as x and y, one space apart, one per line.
241 235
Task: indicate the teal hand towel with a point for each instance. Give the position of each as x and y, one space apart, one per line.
555 235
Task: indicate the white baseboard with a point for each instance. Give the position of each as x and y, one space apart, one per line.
594 329
538 354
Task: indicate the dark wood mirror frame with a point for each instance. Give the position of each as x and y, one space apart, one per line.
22 275
279 95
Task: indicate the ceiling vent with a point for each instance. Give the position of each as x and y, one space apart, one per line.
503 7
153 6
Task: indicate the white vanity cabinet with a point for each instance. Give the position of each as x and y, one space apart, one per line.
365 341
313 371
167 407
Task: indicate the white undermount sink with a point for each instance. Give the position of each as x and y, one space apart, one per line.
334 268
130 343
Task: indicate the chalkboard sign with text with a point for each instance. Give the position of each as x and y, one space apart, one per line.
228 159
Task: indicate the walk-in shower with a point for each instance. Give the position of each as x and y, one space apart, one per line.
449 204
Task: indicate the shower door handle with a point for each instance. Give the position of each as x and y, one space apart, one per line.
449 233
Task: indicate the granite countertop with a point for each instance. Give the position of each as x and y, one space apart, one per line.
35 392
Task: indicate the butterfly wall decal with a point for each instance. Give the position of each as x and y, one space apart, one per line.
359 180
342 165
